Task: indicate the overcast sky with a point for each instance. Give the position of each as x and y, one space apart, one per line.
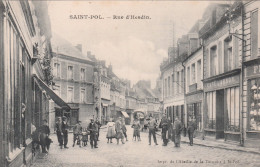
135 48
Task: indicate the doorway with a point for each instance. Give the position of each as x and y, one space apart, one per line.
220 114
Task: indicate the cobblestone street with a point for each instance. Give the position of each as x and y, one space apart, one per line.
135 153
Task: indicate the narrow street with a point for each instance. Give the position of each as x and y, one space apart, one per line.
140 154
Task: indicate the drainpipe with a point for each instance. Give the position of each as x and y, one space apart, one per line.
242 127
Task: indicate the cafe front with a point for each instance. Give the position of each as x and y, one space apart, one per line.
222 106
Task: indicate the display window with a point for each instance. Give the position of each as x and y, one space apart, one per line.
254 105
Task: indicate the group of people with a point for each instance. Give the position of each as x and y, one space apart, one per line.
80 134
116 130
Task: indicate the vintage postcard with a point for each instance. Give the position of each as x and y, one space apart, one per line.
129 83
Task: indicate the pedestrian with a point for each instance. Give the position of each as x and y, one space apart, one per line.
64 129
177 128
164 125
93 129
191 128
99 125
119 131
85 134
110 131
136 126
152 126
77 134
59 131
44 139
124 129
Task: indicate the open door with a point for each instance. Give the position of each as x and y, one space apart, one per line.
220 114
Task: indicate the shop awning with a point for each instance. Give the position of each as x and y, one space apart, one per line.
51 93
125 114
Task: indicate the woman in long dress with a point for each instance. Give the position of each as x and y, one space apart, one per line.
110 131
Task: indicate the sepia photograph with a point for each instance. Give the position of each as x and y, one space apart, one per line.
129 83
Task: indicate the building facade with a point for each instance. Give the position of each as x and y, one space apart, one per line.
74 82
25 53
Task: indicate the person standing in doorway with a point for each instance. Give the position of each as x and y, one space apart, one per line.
191 128
93 129
59 131
152 126
177 128
65 129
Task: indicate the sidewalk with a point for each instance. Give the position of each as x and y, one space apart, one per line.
221 144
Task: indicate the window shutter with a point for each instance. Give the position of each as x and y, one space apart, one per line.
254 34
206 63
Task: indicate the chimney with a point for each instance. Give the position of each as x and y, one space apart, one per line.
79 47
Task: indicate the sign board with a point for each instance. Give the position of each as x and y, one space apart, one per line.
221 83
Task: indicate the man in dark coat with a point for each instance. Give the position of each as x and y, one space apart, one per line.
99 125
64 129
93 129
152 126
191 128
44 139
164 125
59 131
177 128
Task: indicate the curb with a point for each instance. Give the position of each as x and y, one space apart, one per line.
231 149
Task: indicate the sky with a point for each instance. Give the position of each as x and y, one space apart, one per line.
135 48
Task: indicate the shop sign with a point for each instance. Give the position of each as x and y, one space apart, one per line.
222 83
253 70
194 98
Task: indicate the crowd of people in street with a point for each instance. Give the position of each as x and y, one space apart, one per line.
115 129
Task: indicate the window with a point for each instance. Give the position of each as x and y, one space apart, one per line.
173 84
193 73
213 61
232 109
82 74
70 72
188 78
178 82
82 95
199 72
56 70
254 104
70 94
165 87
182 81
211 108
254 34
169 86
228 56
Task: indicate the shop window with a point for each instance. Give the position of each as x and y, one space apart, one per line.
254 104
213 61
211 110
232 109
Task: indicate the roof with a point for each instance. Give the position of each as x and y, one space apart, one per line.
64 47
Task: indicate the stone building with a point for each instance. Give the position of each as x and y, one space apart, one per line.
73 82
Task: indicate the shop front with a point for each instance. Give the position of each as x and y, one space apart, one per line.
194 110
253 105
222 106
